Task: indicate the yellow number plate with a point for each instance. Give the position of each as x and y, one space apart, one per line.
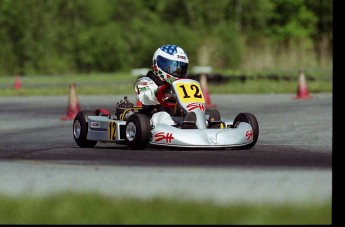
189 92
112 130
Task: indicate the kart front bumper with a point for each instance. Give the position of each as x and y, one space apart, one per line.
165 135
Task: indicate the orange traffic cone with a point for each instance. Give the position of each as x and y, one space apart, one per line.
73 104
203 83
17 83
302 89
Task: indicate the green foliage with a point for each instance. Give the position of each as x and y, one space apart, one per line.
59 36
292 19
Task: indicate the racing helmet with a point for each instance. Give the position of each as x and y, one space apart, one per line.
170 62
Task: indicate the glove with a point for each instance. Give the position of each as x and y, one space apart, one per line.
170 80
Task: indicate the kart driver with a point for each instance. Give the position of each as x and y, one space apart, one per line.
169 62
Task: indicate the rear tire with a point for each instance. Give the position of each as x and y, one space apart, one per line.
250 119
138 131
80 128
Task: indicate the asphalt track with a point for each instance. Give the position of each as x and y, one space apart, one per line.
291 162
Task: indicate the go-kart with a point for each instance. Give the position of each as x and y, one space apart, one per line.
130 124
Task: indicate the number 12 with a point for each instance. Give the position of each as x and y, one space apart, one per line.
197 93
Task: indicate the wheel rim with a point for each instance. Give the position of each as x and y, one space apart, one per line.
131 131
76 129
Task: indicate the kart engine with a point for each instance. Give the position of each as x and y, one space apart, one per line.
123 109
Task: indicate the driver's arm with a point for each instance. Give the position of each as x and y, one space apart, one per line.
146 91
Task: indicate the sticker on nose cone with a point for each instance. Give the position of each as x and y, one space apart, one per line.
190 92
161 136
249 135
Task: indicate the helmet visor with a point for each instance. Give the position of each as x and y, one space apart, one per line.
174 68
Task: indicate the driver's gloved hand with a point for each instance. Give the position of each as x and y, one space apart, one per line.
170 80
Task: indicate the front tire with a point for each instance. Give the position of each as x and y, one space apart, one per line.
80 129
138 131
250 119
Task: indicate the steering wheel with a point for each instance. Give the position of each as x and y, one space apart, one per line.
161 96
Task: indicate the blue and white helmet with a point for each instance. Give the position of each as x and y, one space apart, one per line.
170 62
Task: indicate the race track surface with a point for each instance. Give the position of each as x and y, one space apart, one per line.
291 162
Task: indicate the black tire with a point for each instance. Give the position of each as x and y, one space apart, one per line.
208 111
138 131
80 129
251 119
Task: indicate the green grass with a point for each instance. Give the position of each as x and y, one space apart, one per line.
264 86
87 208
116 83
123 83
